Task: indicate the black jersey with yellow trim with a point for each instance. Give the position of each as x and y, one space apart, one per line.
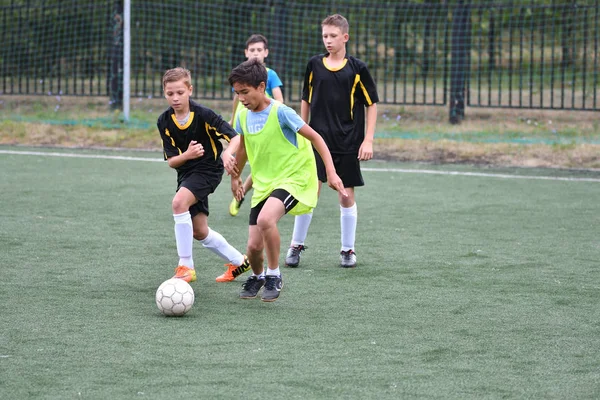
337 98
205 127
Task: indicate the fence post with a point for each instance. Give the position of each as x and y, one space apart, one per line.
460 60
126 57
116 57
279 40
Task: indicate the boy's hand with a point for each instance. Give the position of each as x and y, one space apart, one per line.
365 152
334 182
194 150
230 164
237 188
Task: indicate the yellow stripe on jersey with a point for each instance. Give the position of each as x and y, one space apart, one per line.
310 87
364 90
167 133
212 141
356 82
219 134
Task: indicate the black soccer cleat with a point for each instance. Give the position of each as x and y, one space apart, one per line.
272 288
292 258
251 287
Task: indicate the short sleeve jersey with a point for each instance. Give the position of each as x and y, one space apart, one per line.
205 127
280 157
337 99
289 122
273 82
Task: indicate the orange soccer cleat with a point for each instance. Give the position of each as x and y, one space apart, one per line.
185 273
234 271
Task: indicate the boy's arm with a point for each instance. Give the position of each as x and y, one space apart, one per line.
274 84
237 187
228 156
240 158
333 180
235 105
365 152
175 158
306 93
194 150
304 110
278 94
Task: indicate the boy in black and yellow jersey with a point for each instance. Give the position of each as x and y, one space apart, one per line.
338 91
191 135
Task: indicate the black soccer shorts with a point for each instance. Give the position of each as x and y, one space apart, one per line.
347 166
286 198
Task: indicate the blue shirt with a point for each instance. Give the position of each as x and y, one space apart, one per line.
289 121
273 81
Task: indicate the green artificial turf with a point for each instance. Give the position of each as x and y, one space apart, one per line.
467 287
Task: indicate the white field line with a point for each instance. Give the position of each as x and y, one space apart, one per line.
482 174
74 155
399 170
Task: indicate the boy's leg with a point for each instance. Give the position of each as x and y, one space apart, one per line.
301 225
191 200
270 214
184 232
348 168
248 184
215 242
265 234
255 249
348 219
277 205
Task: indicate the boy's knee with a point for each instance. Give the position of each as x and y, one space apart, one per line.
255 247
179 206
265 224
200 233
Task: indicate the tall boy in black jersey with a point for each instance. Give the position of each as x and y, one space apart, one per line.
337 91
191 136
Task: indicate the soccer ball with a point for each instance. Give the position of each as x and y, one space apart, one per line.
174 297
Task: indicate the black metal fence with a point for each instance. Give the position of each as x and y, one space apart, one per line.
540 54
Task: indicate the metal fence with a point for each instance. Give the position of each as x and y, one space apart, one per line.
540 54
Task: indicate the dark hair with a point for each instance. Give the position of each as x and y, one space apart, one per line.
251 72
257 38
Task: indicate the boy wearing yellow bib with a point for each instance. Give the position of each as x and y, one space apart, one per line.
278 145
256 47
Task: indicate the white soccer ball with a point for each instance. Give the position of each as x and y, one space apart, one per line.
174 297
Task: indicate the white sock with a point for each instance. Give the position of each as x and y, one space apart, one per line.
184 237
301 225
275 272
216 243
348 217
260 276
